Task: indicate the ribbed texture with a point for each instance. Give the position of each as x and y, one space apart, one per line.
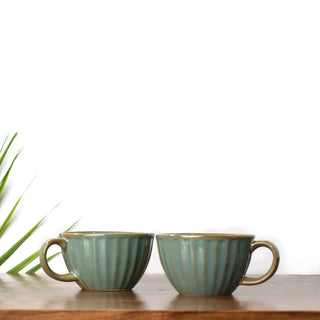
204 267
108 262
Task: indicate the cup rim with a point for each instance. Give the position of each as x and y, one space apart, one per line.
202 236
74 234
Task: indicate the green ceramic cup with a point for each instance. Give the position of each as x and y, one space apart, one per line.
106 261
210 263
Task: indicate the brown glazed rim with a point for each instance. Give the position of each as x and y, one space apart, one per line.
200 236
73 234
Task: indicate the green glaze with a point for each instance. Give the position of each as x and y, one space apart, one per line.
209 264
104 261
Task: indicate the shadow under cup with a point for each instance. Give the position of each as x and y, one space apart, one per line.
210 263
106 261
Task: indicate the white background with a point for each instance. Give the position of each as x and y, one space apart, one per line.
165 116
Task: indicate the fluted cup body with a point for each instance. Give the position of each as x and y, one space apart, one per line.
204 264
106 261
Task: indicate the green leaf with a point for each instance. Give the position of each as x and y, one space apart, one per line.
4 142
5 177
12 250
24 263
6 222
72 226
33 256
38 266
7 148
58 204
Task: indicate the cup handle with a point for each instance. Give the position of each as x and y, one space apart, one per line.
275 262
44 262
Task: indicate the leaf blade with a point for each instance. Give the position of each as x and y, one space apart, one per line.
5 177
13 249
7 148
24 263
9 216
37 267
73 225
32 257
4 143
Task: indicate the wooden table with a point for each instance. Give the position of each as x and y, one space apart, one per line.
40 297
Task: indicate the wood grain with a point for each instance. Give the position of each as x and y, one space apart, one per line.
39 297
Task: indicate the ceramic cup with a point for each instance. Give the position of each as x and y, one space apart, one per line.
107 261
210 263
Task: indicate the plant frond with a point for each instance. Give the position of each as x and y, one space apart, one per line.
34 256
23 263
7 220
73 225
4 142
5 177
38 266
13 249
7 148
